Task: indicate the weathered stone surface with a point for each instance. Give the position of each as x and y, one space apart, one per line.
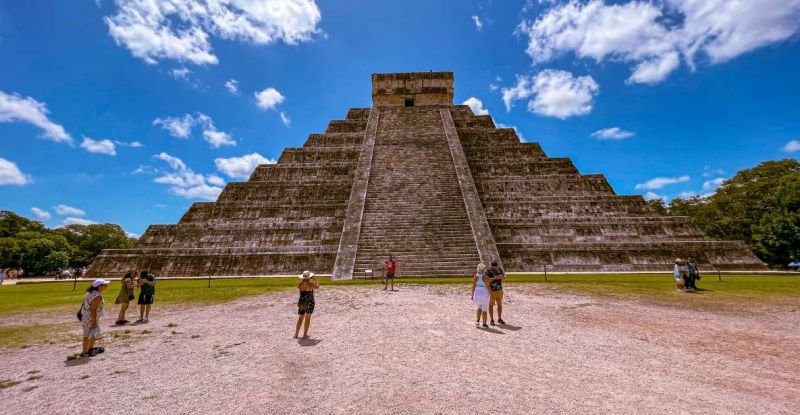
433 184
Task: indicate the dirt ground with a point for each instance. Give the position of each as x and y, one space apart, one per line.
417 350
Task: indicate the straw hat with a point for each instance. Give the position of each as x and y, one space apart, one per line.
306 275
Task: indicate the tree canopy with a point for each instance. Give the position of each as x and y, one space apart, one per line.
758 205
28 244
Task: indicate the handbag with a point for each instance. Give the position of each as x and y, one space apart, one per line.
131 297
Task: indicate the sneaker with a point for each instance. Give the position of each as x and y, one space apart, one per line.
500 321
146 320
477 324
140 320
485 326
120 322
492 322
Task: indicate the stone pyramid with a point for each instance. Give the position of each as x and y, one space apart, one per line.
431 183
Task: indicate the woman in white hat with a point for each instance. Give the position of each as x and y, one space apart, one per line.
305 305
90 315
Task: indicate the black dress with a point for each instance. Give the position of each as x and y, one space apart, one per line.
306 303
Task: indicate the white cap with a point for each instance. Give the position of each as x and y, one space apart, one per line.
99 282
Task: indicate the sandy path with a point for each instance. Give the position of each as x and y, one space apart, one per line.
417 350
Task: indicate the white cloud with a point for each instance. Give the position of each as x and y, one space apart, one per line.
104 146
15 108
186 183
218 138
660 182
269 98
653 36
792 146
133 144
11 174
65 210
241 167
181 127
613 133
233 86
477 21
285 119
476 105
555 93
687 194
40 214
181 73
132 235
653 195
713 184
77 221
181 29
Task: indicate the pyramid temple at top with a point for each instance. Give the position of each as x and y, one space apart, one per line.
433 184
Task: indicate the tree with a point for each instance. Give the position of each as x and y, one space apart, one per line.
758 205
9 253
89 240
657 204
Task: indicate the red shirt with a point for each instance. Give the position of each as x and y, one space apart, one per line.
389 265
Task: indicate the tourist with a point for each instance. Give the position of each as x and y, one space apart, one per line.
391 264
91 313
693 274
480 294
3 276
125 296
305 305
496 275
147 293
680 274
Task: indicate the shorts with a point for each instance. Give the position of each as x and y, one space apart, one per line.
495 297
390 275
146 299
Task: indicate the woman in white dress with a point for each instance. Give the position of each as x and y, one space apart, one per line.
480 294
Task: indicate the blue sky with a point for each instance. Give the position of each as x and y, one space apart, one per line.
118 111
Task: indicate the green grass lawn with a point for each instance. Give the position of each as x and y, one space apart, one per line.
53 296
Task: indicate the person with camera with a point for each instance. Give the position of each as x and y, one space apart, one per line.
391 265
125 296
497 275
305 305
147 294
480 294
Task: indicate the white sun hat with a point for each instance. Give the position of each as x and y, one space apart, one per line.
306 275
99 282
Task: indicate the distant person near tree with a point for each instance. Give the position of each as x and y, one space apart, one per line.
305 305
681 274
391 265
480 294
147 293
125 296
91 314
693 272
496 275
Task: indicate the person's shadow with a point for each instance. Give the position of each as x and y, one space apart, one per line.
491 330
308 342
77 361
509 327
